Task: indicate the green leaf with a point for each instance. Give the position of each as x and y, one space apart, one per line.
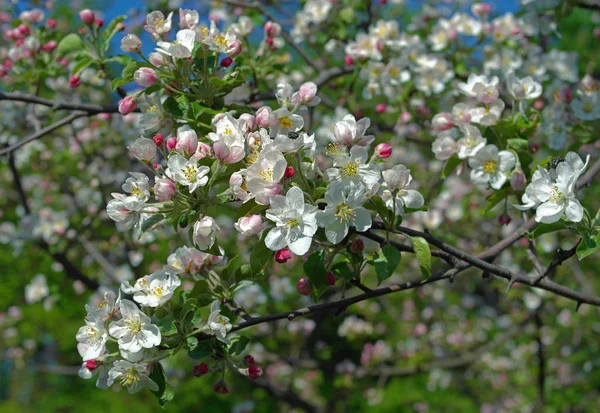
113 24
203 349
588 246
518 144
121 59
166 326
495 199
343 270
542 229
165 391
238 345
386 262
378 205
198 109
118 82
69 44
450 166
228 272
81 64
249 208
260 255
191 343
314 269
423 254
149 223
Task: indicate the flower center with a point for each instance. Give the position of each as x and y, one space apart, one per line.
129 378
158 291
267 174
344 213
285 122
556 196
151 109
351 169
137 192
190 173
134 325
102 303
292 223
220 40
489 167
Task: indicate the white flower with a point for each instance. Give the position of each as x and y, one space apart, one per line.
344 210
488 115
37 289
282 121
586 107
470 143
348 132
134 376
143 149
228 140
522 89
296 222
187 173
397 180
187 141
186 260
490 166
218 324
182 47
263 176
118 212
135 330
554 192
218 41
205 232
480 87
188 19
156 24
92 339
249 225
155 289
354 168
101 371
243 27
138 187
104 307
444 146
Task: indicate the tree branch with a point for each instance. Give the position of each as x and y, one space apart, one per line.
48 129
90 108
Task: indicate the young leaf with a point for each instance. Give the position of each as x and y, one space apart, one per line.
423 254
450 166
165 392
202 349
260 255
588 246
315 270
386 261
69 44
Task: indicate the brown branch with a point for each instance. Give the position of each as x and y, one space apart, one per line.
286 395
588 4
90 108
48 129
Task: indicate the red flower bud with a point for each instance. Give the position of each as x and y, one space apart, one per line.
330 278
158 139
226 62
87 16
357 246
220 387
51 23
74 81
200 370
254 371
249 360
171 143
289 171
383 150
348 60
99 22
283 255
91 364
380 108
304 287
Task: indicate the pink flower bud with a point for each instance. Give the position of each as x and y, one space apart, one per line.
50 46
74 81
289 171
307 92
357 246
249 225
220 387
171 143
145 77
566 95
226 62
283 255
248 121
383 150
157 59
249 360
382 2
272 29
164 189
348 61
127 105
87 16
235 49
254 371
203 151
131 43
200 370
50 23
304 287
330 278
533 147
518 180
91 364
380 108
262 116
504 219
597 32
99 22
538 104
481 10
158 139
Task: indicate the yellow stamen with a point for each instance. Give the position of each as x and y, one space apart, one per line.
490 167
344 213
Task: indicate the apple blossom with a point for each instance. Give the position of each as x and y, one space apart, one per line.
134 330
491 166
205 232
134 376
249 225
